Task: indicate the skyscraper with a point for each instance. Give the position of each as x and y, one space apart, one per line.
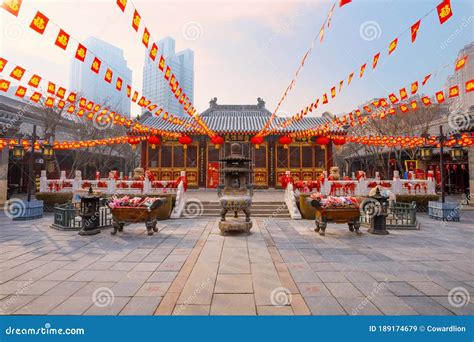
465 100
92 86
156 88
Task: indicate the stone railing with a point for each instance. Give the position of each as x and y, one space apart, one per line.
360 187
290 200
115 186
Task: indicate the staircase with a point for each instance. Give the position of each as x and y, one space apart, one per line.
258 209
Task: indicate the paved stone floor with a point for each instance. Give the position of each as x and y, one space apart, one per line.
282 268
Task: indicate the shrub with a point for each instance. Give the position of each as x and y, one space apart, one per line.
50 199
420 200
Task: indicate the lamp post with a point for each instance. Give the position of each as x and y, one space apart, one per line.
441 209
34 209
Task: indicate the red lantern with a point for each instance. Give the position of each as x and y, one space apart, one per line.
134 141
322 140
185 140
257 141
154 140
285 141
217 141
339 141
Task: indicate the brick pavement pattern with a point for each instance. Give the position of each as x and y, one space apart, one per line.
282 268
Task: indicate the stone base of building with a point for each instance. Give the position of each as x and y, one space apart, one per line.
235 225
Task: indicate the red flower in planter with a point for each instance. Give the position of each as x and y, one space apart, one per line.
86 185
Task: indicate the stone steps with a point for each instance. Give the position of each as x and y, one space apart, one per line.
259 209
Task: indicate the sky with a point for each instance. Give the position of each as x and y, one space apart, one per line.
249 49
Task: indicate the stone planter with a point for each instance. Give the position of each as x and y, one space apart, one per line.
449 211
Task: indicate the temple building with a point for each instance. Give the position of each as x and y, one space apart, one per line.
236 123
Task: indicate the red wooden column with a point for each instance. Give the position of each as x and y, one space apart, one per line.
329 156
143 155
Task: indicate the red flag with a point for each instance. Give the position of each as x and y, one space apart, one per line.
108 76
71 109
81 52
404 108
135 95
325 99
146 37
454 91
62 39
403 94
367 109
51 88
161 65
95 66
349 79
167 73
35 97
129 90
414 30
414 87
3 63
444 11
414 105
39 22
362 69
469 86
376 59
343 2
136 20
460 63
392 46
4 85
333 92
61 92
426 100
12 6
20 92
34 81
321 33
17 73
118 84
153 51
427 77
49 102
121 4
72 97
393 98
440 96
340 85
61 104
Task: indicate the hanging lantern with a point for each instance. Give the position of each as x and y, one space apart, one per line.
285 141
185 140
217 141
256 141
322 140
18 151
154 140
48 151
134 141
338 141
457 153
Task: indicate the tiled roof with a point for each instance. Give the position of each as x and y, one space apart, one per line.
235 119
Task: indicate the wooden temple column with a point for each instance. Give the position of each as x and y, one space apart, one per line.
144 155
271 162
202 165
329 156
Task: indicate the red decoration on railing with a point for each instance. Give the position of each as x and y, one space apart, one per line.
338 141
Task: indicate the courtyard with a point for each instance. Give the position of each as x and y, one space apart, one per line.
282 268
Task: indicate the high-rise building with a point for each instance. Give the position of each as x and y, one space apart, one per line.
156 88
465 100
92 86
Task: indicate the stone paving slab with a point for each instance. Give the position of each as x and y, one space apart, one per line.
282 268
